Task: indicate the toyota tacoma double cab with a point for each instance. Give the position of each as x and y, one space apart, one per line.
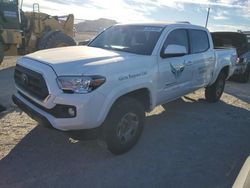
127 70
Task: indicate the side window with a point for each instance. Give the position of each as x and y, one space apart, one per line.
198 41
178 37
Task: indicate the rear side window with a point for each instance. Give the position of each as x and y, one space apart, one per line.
198 41
177 37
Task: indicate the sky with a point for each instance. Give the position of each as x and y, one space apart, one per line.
225 15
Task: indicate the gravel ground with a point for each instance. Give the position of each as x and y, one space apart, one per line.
190 144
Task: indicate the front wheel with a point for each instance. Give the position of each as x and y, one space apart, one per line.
213 92
124 125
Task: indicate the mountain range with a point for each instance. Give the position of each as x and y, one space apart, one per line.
94 25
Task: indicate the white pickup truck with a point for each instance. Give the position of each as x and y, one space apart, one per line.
122 73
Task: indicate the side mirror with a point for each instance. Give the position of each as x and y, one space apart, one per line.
174 50
84 43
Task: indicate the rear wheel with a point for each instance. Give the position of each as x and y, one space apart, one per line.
214 92
1 52
124 125
56 39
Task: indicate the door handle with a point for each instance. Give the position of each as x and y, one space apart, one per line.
181 66
210 59
188 63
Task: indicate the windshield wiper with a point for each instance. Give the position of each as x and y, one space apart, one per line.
115 49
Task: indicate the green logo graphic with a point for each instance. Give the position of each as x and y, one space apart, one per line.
177 70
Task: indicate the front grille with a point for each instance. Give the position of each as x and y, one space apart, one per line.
58 111
31 82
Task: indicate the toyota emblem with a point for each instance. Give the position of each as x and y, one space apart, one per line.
25 79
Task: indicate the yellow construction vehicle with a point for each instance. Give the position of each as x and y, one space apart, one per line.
26 32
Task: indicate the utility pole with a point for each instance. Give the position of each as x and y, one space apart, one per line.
208 11
21 4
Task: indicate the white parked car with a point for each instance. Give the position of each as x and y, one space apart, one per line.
243 178
125 71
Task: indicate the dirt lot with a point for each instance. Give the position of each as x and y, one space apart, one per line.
191 144
79 37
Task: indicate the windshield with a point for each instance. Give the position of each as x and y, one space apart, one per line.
12 2
129 38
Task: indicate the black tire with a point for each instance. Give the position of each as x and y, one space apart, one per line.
56 39
1 52
213 92
119 120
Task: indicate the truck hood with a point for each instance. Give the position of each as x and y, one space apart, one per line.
78 59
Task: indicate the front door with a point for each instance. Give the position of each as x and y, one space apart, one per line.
175 75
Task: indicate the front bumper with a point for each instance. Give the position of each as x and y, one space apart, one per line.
88 111
240 69
31 112
89 108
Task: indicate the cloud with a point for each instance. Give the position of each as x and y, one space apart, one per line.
132 9
145 10
226 27
220 14
70 2
246 11
220 3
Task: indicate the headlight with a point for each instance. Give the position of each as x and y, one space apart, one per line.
241 60
79 84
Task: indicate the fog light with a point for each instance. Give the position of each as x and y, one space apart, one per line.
71 112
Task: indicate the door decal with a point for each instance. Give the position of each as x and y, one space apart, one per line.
177 70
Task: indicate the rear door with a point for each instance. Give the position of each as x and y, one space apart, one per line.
201 57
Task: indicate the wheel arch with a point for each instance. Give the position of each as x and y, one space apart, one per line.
143 95
225 69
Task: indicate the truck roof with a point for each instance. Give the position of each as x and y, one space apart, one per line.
163 24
